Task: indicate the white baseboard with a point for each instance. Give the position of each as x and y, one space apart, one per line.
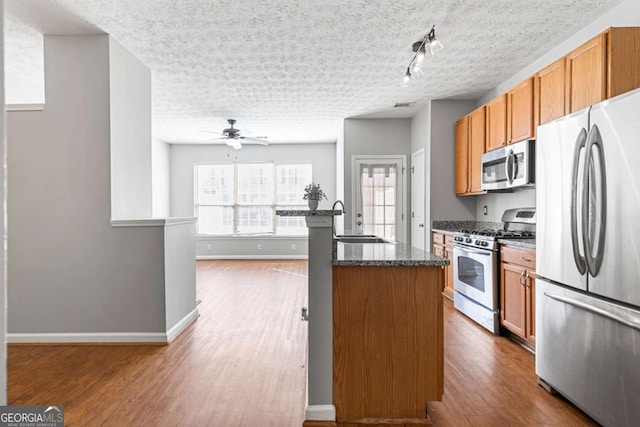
106 337
207 257
320 413
95 337
181 325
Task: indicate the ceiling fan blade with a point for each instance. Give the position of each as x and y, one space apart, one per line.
250 140
233 143
210 131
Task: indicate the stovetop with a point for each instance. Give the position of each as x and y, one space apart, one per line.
487 239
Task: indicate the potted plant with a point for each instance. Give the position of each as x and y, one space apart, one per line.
313 194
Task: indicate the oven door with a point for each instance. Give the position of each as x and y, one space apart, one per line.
474 275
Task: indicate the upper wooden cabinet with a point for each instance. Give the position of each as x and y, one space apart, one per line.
470 137
603 67
477 139
550 92
462 156
586 74
520 112
496 123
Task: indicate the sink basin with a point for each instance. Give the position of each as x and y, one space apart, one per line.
360 238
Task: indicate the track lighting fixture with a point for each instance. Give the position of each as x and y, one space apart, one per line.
429 41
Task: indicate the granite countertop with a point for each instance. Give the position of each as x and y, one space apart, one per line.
384 255
308 212
519 243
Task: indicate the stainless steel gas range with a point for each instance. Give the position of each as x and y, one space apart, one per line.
476 281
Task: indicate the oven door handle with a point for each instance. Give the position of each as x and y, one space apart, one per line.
472 251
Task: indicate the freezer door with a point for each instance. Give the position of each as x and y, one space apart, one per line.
588 350
559 246
615 179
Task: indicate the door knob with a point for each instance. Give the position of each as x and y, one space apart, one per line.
359 222
421 225
359 215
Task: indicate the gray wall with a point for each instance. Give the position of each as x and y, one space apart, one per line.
183 159
130 110
180 272
444 203
374 136
88 277
3 218
161 178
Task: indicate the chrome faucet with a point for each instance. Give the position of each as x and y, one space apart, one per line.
341 204
333 218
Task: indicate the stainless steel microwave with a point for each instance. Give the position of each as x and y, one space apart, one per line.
509 167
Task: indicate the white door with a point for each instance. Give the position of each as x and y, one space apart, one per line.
378 190
418 229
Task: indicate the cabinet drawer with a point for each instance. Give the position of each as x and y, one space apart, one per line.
448 240
438 250
523 257
438 238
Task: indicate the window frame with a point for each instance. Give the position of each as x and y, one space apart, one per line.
235 205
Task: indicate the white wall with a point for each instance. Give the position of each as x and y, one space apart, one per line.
130 110
374 136
161 178
183 159
3 231
69 270
180 272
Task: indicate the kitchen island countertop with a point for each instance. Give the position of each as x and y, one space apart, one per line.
384 255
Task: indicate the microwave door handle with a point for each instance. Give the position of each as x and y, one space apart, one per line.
578 258
594 140
508 167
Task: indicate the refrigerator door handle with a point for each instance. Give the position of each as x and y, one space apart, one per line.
594 140
629 321
578 258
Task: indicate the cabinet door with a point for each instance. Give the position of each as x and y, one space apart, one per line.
513 298
530 305
497 123
448 272
462 156
521 121
477 138
550 92
587 74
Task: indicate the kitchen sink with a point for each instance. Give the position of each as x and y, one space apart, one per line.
360 238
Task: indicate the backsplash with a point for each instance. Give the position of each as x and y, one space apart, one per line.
497 203
466 225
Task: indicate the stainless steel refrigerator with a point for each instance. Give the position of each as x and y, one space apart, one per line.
588 259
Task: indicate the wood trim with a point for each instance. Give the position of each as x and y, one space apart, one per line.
385 421
315 423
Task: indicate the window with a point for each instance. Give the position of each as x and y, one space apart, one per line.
378 191
242 198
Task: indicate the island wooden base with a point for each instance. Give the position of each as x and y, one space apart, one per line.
313 423
387 343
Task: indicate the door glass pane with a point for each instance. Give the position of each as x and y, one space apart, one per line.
378 191
471 272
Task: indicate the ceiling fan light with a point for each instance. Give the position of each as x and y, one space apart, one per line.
406 78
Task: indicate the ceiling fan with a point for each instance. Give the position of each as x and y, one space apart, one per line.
231 136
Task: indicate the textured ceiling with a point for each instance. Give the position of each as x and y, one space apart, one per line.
294 69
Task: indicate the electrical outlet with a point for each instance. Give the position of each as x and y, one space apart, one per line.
259 247
293 246
484 210
209 247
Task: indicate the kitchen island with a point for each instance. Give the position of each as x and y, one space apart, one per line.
387 333
375 329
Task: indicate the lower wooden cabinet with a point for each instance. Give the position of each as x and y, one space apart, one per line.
443 246
517 292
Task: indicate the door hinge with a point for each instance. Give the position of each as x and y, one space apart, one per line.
403 171
413 169
413 214
403 217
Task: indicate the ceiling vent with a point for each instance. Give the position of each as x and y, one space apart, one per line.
404 104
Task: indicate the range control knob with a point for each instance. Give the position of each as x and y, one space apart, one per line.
468 240
484 243
478 242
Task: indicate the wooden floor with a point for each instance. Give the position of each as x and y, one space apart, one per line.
242 364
